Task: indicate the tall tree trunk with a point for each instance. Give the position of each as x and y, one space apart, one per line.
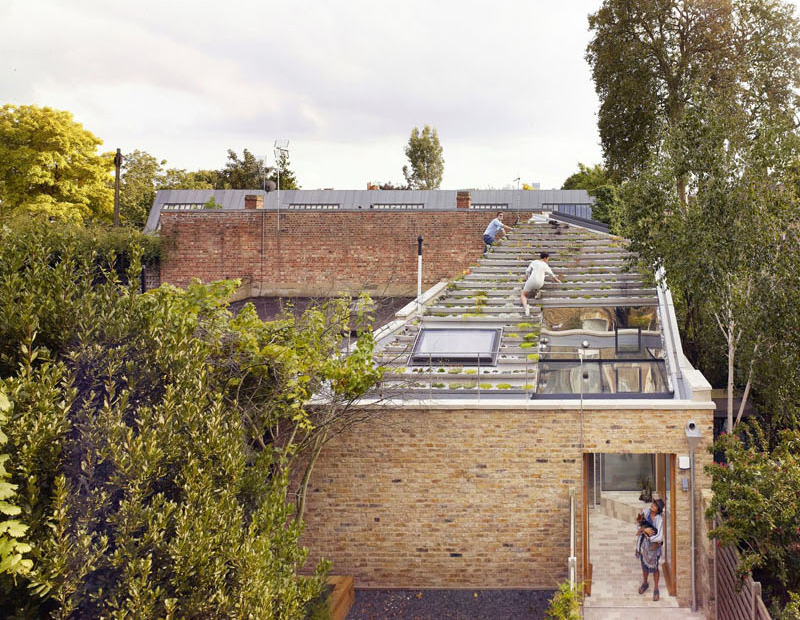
319 442
731 354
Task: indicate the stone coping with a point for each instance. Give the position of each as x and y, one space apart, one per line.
515 404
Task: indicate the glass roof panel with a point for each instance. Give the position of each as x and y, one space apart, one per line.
613 352
442 345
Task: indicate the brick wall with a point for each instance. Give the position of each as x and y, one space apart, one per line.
320 253
475 498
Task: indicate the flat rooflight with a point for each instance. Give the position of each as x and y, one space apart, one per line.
456 345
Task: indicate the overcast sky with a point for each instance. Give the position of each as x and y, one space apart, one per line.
505 83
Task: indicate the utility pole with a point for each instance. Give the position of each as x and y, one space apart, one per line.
117 165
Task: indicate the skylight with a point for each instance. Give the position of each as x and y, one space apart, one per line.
456 345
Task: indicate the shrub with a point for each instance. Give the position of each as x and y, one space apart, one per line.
565 604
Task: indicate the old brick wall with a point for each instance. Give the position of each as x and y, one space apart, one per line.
471 498
320 253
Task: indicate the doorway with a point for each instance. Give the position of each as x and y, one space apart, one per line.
612 495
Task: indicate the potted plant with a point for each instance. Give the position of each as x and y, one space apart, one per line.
647 490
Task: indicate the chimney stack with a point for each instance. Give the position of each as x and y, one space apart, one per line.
253 201
463 200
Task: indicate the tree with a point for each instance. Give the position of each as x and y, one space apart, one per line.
49 164
140 436
12 545
142 175
757 492
425 156
651 58
138 182
724 248
286 179
597 182
249 172
245 173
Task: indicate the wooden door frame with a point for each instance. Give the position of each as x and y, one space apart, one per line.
665 466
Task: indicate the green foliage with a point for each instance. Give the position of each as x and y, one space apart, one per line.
212 203
287 178
756 491
731 250
12 531
650 60
146 436
142 175
566 603
425 157
249 172
245 173
49 165
597 182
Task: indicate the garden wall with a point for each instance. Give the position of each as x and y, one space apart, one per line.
319 253
475 498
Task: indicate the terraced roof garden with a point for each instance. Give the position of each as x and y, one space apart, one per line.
597 334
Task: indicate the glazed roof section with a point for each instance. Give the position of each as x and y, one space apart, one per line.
575 202
600 333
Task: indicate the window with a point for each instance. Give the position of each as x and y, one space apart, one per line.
322 206
182 206
401 206
456 345
496 206
628 340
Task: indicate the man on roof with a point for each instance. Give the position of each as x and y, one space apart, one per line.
536 272
493 229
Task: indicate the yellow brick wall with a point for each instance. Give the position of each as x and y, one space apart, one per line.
426 498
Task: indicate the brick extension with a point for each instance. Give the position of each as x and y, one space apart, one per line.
466 497
319 253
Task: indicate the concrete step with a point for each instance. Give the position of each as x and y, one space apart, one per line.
619 510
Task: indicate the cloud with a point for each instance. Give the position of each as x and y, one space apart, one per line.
351 76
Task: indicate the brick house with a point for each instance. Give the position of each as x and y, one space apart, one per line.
506 436
503 430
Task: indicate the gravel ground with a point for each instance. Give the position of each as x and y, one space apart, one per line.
456 604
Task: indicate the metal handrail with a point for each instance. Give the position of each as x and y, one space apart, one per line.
572 562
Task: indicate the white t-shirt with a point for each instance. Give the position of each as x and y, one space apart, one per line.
536 272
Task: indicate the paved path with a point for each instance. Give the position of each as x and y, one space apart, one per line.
617 575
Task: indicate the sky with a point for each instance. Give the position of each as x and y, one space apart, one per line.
505 83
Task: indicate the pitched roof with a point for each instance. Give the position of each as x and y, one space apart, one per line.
605 322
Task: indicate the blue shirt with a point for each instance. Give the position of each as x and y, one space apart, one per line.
493 228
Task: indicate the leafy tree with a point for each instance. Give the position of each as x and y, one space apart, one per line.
245 173
138 182
757 491
724 249
142 175
142 435
650 59
598 184
248 172
49 164
12 545
425 157
287 177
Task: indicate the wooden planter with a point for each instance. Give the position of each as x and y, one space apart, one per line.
342 597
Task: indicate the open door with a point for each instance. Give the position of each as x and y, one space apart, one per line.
588 472
665 486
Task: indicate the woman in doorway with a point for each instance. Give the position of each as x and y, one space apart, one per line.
651 538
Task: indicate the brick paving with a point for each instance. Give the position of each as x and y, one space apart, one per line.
617 575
